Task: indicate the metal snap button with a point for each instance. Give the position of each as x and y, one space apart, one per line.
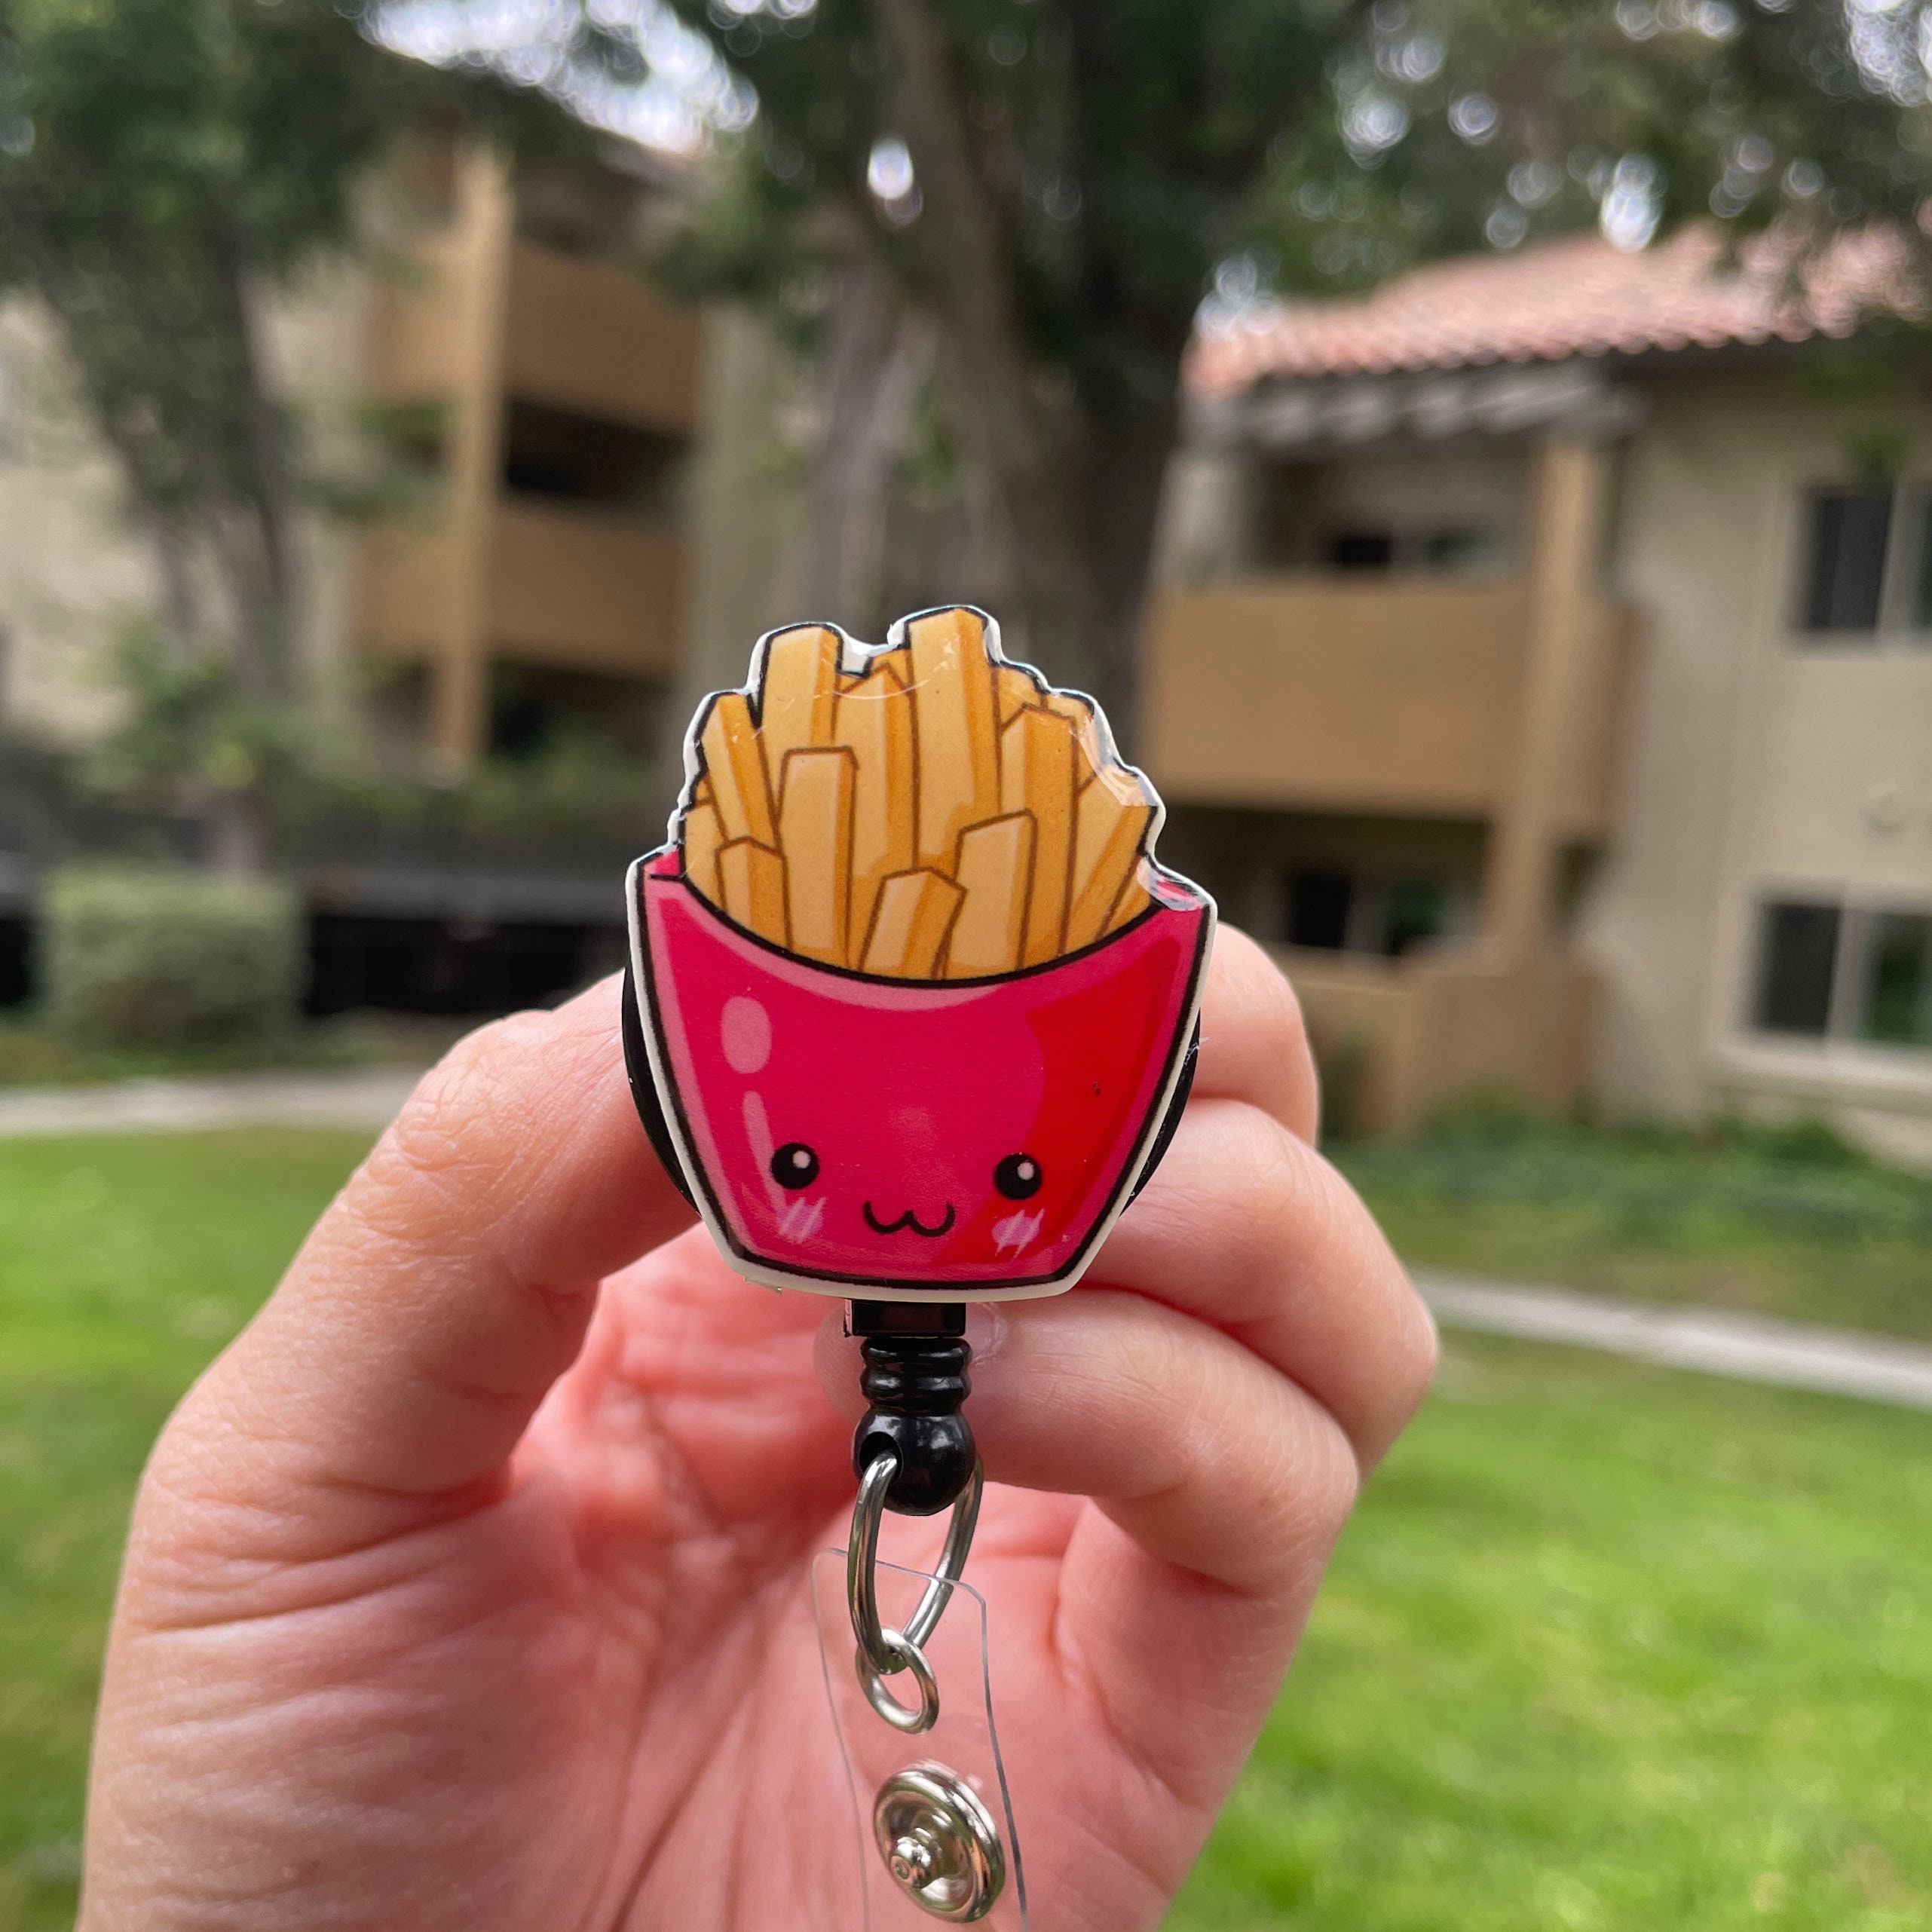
939 1842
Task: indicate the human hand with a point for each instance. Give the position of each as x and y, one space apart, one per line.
462 1592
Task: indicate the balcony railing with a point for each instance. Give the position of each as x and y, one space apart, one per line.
579 336
407 583
580 591
587 337
591 592
1398 1039
1315 695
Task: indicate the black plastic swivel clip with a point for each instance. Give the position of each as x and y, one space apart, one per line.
916 1378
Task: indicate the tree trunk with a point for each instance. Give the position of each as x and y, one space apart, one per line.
875 354
263 583
180 622
1126 463
967 267
236 832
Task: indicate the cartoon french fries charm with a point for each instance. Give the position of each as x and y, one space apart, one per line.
911 1000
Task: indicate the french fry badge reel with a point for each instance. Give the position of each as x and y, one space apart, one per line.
910 1016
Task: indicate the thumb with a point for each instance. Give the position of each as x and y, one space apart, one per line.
448 1286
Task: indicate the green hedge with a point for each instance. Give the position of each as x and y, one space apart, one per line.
164 956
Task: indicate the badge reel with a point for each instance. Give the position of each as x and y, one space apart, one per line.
910 1016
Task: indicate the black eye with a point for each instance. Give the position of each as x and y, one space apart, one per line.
1018 1177
794 1165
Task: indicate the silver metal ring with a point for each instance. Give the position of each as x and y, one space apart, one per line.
908 1656
861 1557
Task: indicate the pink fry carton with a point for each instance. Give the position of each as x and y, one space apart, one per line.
880 1137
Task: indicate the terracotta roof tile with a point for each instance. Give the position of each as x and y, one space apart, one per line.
1574 296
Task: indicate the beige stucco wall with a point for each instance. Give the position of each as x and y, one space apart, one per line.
317 347
74 569
1755 766
747 511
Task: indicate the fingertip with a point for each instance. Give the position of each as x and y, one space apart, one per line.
1254 1044
835 1356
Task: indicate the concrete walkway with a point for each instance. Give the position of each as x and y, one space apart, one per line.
1750 1348
368 1101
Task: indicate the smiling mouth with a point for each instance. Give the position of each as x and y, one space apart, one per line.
909 1219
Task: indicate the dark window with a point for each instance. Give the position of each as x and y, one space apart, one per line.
1453 549
1916 516
538 708
557 453
1361 550
1844 560
1797 948
1319 909
442 965
1897 1009
1286 533
1414 914
16 955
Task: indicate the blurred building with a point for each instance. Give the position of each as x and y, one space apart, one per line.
560 396
1540 665
533 411
1534 659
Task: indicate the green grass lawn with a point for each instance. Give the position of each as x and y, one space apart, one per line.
1605 1647
1782 1221
32 1054
124 1264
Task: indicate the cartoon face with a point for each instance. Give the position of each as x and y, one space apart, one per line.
845 1132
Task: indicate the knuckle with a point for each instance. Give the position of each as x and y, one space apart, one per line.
1419 1353
452 1125
1301 1494
1286 1203
1266 1000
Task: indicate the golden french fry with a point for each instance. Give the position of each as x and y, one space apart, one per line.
915 912
736 764
1131 903
994 870
954 718
1112 818
815 833
1079 713
1013 688
700 838
1039 762
899 662
797 690
751 877
875 720
936 815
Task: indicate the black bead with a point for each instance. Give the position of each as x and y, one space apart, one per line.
794 1165
936 1455
916 1375
1018 1177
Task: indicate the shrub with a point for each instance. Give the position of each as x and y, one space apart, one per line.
162 956
1341 1066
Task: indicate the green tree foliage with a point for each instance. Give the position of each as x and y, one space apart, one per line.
1059 183
162 162
1459 123
166 166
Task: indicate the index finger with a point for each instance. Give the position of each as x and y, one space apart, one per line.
1254 1044
451 1282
